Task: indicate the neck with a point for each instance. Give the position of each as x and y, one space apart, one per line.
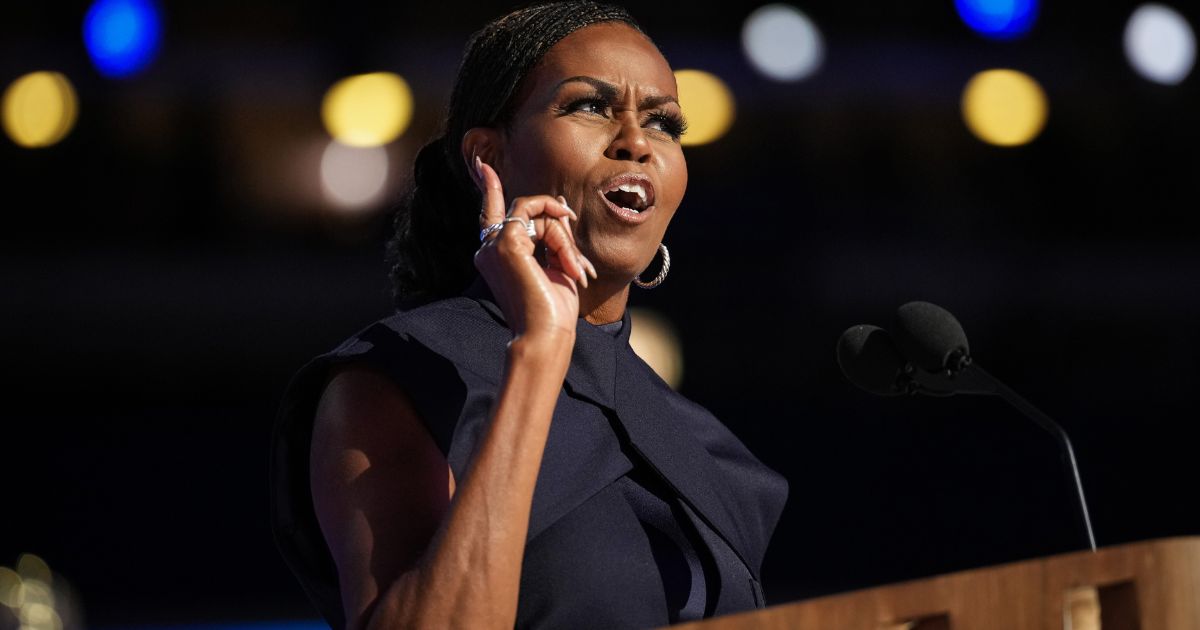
603 302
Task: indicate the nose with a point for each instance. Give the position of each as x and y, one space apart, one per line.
630 142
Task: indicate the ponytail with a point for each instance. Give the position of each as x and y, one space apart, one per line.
431 253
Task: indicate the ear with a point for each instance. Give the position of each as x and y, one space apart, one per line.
484 142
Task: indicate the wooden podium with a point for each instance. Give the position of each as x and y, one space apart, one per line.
1152 585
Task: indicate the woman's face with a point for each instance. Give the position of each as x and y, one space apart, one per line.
599 124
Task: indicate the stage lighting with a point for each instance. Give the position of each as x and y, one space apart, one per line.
367 110
32 597
10 585
782 43
1160 44
122 36
653 339
1004 107
39 109
998 19
353 178
707 105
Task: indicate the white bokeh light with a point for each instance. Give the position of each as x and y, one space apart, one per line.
782 43
353 178
1160 44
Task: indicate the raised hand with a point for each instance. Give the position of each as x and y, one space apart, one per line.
536 299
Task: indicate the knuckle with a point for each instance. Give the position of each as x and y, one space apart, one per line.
532 204
507 244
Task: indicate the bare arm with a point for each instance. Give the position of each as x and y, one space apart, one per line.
413 551
382 488
380 484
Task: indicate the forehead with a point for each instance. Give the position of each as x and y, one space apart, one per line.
613 52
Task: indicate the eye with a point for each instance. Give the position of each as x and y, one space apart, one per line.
590 105
671 124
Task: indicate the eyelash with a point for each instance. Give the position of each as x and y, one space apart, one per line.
672 124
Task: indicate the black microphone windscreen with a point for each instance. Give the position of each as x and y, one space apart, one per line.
928 335
869 359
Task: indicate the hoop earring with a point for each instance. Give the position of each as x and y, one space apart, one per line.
662 273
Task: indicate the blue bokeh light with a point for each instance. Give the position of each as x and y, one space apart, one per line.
122 36
998 19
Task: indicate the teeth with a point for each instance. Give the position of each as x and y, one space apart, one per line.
634 188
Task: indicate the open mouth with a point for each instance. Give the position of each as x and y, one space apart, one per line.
629 195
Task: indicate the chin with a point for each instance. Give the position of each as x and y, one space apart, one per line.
619 257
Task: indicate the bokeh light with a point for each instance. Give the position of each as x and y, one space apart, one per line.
353 178
1004 107
31 567
367 110
122 36
32 598
653 338
10 588
39 109
782 42
998 19
706 103
1160 44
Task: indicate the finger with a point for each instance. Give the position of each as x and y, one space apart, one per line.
538 208
566 223
492 204
575 217
538 205
587 263
560 247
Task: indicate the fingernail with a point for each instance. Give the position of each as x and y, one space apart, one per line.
583 276
563 201
478 169
591 268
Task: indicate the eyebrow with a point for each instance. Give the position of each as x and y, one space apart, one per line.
609 91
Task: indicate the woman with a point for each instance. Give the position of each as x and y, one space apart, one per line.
495 454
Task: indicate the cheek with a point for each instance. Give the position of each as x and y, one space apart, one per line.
552 160
675 175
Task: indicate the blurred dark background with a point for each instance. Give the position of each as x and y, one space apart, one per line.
169 265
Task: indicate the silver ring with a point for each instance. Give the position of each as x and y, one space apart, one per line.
530 228
487 231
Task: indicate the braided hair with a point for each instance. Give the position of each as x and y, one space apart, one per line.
436 227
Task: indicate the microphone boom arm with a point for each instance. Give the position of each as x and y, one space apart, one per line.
966 377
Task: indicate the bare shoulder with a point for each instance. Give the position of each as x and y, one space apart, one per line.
359 403
380 484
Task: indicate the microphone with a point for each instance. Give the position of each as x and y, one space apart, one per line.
930 355
869 359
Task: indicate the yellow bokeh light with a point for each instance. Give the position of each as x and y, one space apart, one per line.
367 110
10 588
31 567
707 105
654 340
1004 107
39 109
38 616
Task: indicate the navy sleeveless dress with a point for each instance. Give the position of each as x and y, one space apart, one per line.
647 510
